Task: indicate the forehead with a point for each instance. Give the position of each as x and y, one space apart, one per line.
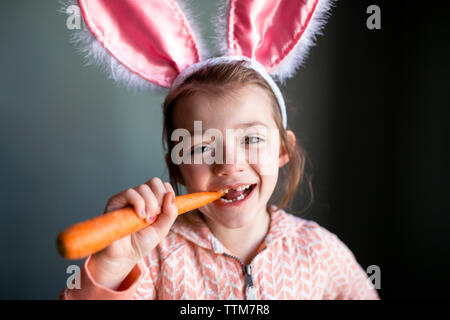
246 104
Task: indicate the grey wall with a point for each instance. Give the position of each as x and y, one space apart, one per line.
70 139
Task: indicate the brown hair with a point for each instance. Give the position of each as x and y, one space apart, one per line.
221 79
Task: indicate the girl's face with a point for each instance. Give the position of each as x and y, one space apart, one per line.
236 142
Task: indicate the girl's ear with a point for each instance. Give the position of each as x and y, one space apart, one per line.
283 157
178 176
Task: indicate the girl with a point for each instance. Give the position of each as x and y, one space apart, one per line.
224 250
240 246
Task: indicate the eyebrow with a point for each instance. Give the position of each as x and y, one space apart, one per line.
250 124
241 125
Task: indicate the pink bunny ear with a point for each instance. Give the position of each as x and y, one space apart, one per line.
276 33
151 38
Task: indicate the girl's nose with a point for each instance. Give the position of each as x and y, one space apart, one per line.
231 163
227 169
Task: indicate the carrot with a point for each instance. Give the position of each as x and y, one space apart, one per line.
88 237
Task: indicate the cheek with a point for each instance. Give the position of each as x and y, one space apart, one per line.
194 175
267 171
265 159
268 180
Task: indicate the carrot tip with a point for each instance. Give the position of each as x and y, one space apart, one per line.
61 247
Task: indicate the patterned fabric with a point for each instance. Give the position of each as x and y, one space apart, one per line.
299 260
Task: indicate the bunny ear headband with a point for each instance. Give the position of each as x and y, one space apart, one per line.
151 44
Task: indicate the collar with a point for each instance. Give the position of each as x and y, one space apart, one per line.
193 228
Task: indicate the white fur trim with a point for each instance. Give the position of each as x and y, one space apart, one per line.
193 20
94 53
220 24
294 60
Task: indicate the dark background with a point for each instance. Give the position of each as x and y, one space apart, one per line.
369 106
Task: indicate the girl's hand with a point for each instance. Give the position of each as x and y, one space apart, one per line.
153 200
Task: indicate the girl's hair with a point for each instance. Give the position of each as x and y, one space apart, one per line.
220 80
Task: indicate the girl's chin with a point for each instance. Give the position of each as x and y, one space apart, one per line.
232 222
233 218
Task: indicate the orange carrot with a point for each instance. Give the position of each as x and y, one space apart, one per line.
88 237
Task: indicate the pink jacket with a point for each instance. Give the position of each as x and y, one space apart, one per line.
298 260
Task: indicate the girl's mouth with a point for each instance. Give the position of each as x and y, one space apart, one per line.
236 196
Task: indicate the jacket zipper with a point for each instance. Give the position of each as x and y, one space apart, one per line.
250 290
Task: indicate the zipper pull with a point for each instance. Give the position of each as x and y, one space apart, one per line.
250 290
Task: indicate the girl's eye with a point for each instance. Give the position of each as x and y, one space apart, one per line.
200 149
253 140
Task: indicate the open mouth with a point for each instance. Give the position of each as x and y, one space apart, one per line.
238 194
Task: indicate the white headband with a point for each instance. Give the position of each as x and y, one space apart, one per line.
255 65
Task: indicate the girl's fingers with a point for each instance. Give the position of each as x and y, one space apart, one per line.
133 197
116 202
169 187
146 199
165 219
151 203
157 188
168 216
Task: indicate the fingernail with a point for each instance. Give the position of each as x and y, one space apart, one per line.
172 198
143 213
152 218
